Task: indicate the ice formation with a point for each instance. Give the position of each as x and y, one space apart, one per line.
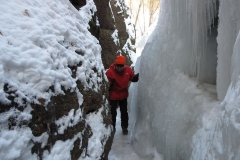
187 104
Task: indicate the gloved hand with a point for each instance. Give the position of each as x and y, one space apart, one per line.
135 78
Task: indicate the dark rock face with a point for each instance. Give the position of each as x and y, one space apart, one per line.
108 24
78 3
109 19
44 117
110 50
43 121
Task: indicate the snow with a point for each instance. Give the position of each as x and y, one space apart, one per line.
98 139
68 121
178 110
22 67
115 37
38 40
121 147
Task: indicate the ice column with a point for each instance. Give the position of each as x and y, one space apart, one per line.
229 27
169 103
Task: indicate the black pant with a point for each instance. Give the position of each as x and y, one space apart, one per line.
123 109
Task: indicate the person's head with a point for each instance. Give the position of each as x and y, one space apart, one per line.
120 63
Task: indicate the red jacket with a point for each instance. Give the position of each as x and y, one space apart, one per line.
119 82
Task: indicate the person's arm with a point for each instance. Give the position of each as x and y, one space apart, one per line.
110 79
135 78
109 76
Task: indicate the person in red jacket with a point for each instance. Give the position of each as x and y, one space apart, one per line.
119 76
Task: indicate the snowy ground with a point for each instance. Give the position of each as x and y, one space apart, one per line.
121 147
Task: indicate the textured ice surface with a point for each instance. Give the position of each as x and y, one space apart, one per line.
175 107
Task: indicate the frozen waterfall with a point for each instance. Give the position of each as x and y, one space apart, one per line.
187 102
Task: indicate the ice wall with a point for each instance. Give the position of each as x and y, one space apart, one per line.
176 113
228 31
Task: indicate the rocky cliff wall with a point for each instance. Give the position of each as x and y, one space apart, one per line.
111 22
35 126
